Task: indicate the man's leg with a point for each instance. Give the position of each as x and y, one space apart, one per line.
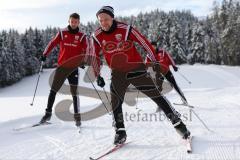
118 89
146 85
59 78
169 76
73 81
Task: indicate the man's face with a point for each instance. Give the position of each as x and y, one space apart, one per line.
74 23
105 21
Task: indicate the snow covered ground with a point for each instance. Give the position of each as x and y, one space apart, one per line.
215 91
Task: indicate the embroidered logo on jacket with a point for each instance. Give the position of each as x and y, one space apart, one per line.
123 46
118 37
76 37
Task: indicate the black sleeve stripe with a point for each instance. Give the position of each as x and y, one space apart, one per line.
129 32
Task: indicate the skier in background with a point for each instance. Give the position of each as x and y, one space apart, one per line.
166 61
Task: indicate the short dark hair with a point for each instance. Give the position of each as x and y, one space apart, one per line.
74 15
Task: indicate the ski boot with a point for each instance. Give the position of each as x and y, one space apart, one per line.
182 130
46 117
120 136
77 119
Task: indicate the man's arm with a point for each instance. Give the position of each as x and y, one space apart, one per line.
53 43
93 57
171 61
141 40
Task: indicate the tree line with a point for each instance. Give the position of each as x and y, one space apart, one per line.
189 39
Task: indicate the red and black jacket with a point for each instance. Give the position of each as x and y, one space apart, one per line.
118 47
71 45
164 58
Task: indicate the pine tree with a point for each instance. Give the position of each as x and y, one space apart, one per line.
17 60
31 62
4 72
176 38
212 43
198 47
38 43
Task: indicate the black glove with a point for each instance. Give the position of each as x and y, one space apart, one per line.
82 66
43 58
175 68
156 67
100 81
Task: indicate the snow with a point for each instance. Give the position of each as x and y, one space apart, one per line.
214 92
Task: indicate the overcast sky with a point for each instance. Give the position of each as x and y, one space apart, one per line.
21 14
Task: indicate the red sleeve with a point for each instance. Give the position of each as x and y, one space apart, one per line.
53 43
84 44
93 57
141 40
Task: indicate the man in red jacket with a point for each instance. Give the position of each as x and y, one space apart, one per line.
73 48
166 61
116 41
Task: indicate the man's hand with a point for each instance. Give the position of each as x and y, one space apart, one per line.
82 66
175 68
100 81
43 58
156 67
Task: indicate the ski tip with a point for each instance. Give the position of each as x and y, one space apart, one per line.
91 158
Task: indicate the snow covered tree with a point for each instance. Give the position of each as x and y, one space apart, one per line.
4 73
31 64
212 43
198 47
38 42
48 34
214 39
176 38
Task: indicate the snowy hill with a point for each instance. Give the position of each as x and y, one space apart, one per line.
215 93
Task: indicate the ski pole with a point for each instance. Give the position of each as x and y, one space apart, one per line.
184 101
98 93
137 99
39 74
204 124
184 77
191 108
